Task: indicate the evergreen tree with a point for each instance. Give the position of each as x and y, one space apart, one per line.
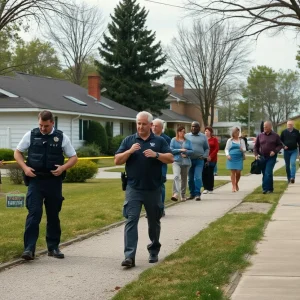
132 61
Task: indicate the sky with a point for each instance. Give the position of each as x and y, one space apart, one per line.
277 52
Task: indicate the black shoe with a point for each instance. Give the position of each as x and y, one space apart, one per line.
264 192
190 197
27 255
198 198
56 253
153 258
128 262
292 180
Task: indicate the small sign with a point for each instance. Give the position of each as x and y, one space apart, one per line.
15 200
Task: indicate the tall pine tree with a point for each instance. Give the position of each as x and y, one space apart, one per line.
131 60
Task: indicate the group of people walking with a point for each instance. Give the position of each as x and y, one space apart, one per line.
145 154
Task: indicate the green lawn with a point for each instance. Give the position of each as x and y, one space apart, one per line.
202 266
222 171
87 207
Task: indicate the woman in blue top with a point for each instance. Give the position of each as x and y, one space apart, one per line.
234 150
181 149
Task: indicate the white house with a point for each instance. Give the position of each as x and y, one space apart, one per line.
22 97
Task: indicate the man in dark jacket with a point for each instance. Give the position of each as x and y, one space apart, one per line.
44 172
266 147
290 138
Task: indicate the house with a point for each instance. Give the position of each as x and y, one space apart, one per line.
183 106
22 97
282 125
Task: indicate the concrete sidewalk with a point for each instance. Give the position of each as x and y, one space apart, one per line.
275 270
92 270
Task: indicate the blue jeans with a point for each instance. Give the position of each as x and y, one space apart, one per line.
290 157
195 177
267 166
216 169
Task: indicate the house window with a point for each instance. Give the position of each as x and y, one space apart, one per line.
121 128
83 127
56 122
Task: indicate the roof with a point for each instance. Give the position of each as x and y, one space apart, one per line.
226 124
37 92
171 116
292 118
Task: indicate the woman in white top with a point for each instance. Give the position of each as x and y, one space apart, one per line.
234 150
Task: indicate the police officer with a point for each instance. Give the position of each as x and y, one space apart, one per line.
143 154
44 172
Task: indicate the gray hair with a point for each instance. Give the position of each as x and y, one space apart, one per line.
162 122
145 113
269 123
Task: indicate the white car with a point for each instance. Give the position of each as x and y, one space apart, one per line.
251 142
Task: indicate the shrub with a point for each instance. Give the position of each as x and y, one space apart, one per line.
170 132
15 174
222 146
82 171
6 154
115 144
96 134
90 150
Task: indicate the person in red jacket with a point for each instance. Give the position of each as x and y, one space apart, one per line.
209 166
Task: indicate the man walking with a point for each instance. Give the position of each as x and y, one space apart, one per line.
266 147
44 171
290 138
201 151
157 128
144 153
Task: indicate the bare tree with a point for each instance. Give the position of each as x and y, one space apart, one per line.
76 37
208 58
14 12
256 16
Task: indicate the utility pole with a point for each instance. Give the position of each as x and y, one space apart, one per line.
248 116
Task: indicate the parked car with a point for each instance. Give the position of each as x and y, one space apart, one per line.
251 142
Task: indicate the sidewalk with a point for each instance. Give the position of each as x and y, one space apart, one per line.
275 270
92 270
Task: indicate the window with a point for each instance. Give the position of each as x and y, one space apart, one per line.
133 127
121 129
83 127
4 94
56 122
105 105
75 100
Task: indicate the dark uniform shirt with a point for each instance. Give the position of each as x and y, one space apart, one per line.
291 139
144 173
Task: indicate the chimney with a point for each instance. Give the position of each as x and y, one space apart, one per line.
179 84
94 82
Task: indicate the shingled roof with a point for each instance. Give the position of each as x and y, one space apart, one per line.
37 92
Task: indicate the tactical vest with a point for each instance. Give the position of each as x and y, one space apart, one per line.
45 151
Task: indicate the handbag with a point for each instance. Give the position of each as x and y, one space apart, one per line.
255 167
186 161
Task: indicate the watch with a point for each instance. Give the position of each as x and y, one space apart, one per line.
157 155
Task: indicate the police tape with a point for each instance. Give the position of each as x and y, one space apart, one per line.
79 158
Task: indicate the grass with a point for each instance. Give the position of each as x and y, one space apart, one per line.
258 197
282 171
87 207
222 171
204 264
105 162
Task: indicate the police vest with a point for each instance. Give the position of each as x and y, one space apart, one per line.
45 151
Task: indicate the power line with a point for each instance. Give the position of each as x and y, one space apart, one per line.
172 5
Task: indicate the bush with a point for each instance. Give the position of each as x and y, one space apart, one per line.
15 174
97 134
170 132
115 144
91 150
222 146
82 171
6 154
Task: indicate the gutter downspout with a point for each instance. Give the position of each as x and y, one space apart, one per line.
76 118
